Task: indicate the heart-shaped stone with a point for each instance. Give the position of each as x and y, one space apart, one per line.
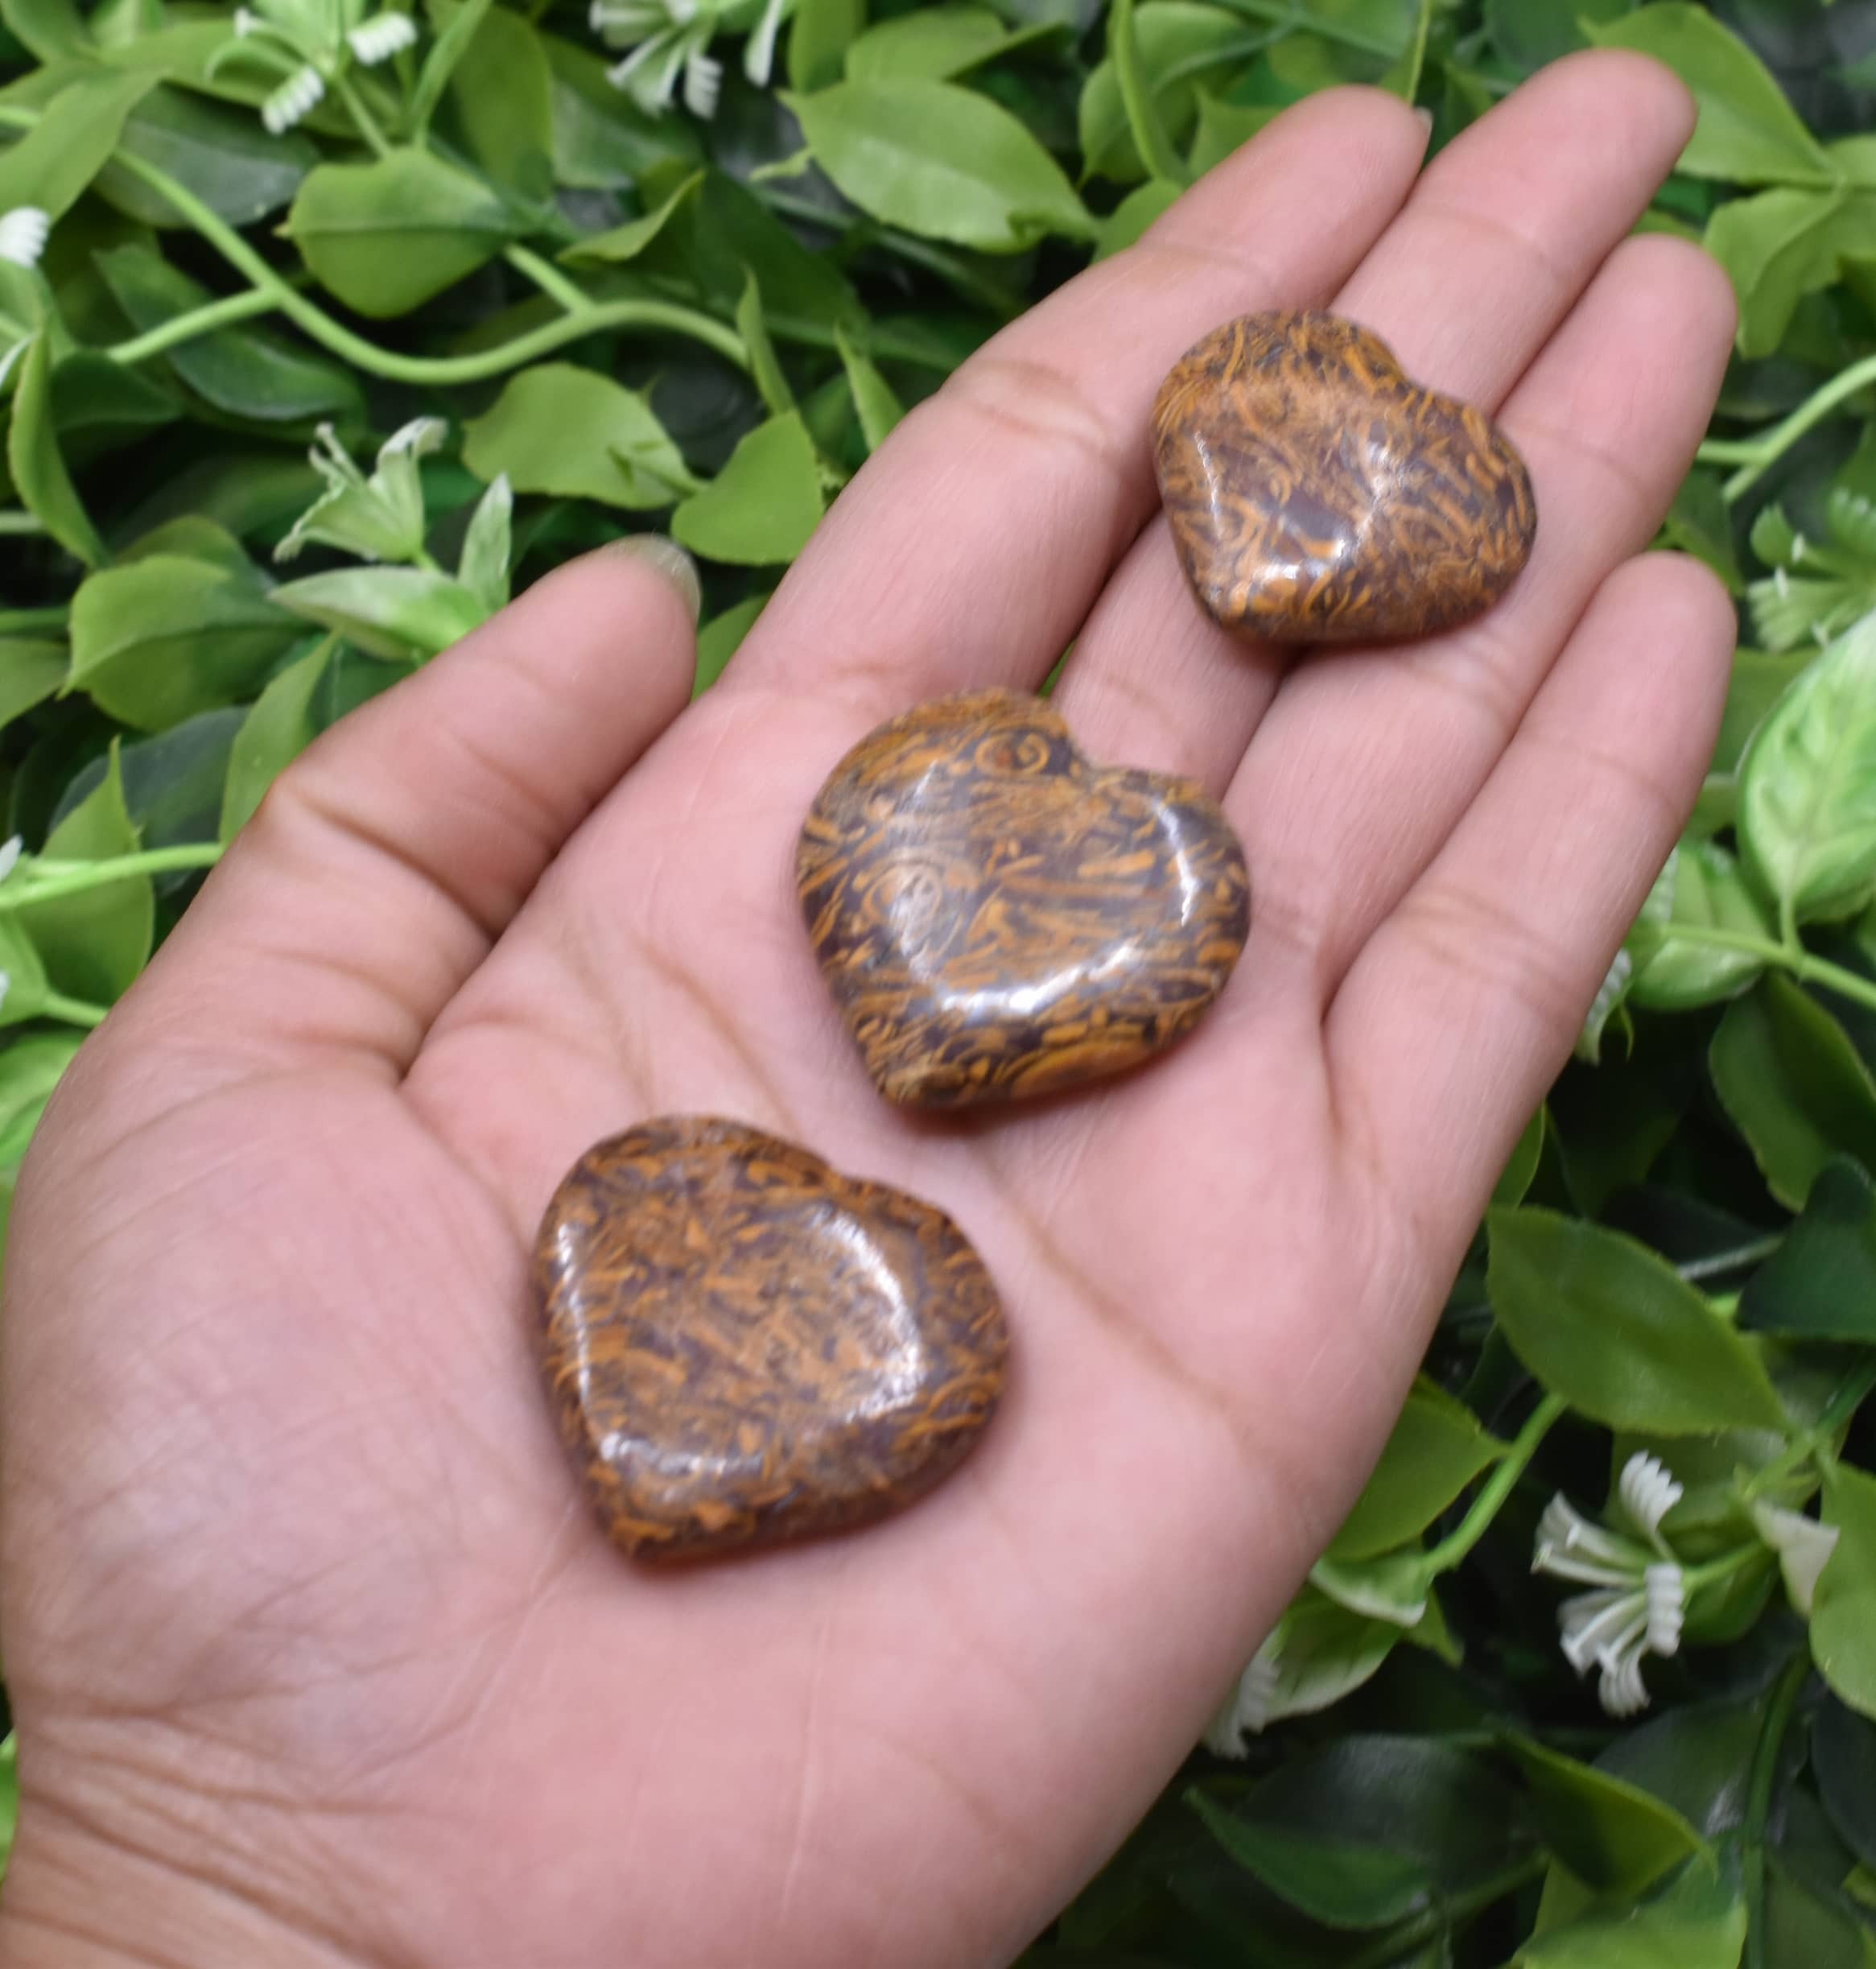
743 1346
1317 495
997 916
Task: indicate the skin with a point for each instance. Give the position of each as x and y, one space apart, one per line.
317 1657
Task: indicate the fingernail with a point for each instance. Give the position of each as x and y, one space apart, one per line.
670 560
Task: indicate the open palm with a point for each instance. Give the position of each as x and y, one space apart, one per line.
316 1653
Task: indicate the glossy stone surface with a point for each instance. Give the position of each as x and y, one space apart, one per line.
743 1346
998 916
1317 495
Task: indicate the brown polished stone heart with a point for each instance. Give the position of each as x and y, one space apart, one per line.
1316 495
744 1347
997 916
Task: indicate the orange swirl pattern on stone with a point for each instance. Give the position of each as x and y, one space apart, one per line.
998 917
1317 495
744 1347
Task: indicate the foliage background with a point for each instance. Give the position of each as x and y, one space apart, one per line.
627 316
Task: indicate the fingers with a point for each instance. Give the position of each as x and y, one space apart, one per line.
1464 1005
384 862
1465 285
1367 760
968 551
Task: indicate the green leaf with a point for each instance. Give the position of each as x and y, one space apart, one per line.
31 1068
1612 1834
38 467
1617 1332
1843 1754
280 726
1673 974
95 942
1782 246
27 986
1437 1448
1759 681
53 162
1333 1881
1225 127
1807 785
935 44
763 505
50 29
1696 1922
1699 523
1821 1283
387 236
30 669
393 613
245 372
1794 1086
1128 220
627 241
819 36
719 639
488 546
874 403
1180 42
559 428
602 142
1843 1615
1748 133
224 156
764 370
1324 1651
1531 33
454 31
1520 1170
941 162
157 640
501 92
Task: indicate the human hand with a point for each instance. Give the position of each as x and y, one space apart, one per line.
316 1654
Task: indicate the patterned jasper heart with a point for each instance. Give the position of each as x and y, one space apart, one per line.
1316 495
998 917
743 1346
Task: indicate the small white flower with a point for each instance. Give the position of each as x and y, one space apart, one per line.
247 21
1804 1547
23 233
703 84
1648 1492
759 54
380 518
9 854
384 35
1800 547
1639 1602
1247 1709
293 100
1782 583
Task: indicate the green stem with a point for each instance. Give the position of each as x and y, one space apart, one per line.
548 279
1417 56
1718 1263
1497 1488
1795 958
196 321
20 523
1293 19
362 119
1765 1765
35 884
1837 1411
439 370
1756 456
73 1011
26 622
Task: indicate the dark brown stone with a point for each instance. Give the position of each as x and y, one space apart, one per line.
1317 495
743 1346
997 916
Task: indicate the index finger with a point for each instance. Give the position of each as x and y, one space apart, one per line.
968 550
